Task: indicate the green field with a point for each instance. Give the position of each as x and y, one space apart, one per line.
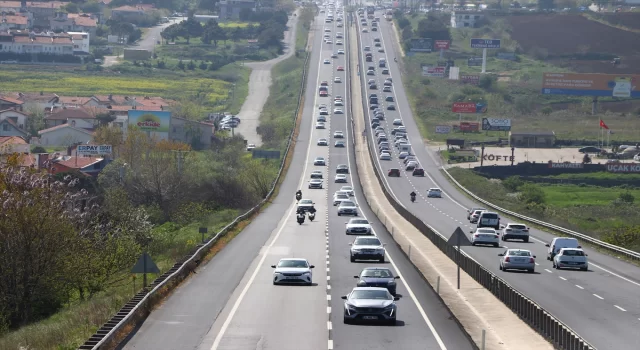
234 24
569 196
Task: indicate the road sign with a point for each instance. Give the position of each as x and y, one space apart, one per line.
442 44
421 45
145 265
485 43
591 84
459 234
468 107
443 129
437 72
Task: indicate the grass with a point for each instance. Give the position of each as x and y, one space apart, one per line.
196 49
567 196
599 176
73 325
234 24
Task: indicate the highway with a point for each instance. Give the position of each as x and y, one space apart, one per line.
231 302
602 304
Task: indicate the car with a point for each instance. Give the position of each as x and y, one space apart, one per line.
320 125
340 178
348 208
291 270
367 248
470 211
489 219
377 45
385 71
334 55
338 103
558 243
338 111
397 122
337 80
338 42
411 166
322 106
327 61
340 69
418 172
315 183
590 149
340 52
387 83
324 112
434 192
571 258
391 107
324 93
251 147
358 226
380 277
316 174
485 236
327 30
374 29
515 231
340 196
373 106
517 259
319 161
305 204
339 144
321 119
473 219
394 172
373 86
386 89
385 156
338 135
342 169
328 41
365 30
381 49
370 304
323 142
367 48
403 155
348 190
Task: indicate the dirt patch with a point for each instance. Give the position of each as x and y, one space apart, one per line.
625 19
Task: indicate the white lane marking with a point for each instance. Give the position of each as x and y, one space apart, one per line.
599 297
549 271
537 264
328 287
404 281
328 269
330 345
236 305
328 296
328 309
581 287
329 325
562 278
619 308
328 278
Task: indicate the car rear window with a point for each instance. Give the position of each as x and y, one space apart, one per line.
573 253
486 231
489 216
518 227
519 253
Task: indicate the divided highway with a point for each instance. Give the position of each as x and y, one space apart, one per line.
602 305
231 302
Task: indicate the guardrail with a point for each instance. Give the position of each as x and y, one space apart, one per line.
547 325
630 254
141 304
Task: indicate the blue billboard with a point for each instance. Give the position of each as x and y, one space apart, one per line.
485 43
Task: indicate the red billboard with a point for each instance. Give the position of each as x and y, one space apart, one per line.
442 44
469 127
463 107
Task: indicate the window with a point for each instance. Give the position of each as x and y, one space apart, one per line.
5 127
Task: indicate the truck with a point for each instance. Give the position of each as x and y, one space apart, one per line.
405 147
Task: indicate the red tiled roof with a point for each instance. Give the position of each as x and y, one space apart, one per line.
21 39
47 4
12 110
9 4
64 126
74 162
66 113
137 8
85 21
119 99
15 19
73 100
11 100
12 140
62 40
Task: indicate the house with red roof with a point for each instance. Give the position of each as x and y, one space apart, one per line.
87 165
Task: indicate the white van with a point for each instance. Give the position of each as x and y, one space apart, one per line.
559 243
489 219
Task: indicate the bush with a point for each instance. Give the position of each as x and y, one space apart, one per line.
626 197
546 110
532 194
623 236
512 183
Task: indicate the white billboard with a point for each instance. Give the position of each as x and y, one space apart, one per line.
443 129
93 150
495 124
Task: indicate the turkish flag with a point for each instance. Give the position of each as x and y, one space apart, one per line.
603 125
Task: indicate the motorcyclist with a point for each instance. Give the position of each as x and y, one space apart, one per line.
299 195
300 217
312 213
413 196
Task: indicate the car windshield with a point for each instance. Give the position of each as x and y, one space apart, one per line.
306 201
573 252
359 221
477 212
489 216
319 158
342 196
486 231
292 263
380 273
518 227
367 241
519 253
370 294
347 204
347 188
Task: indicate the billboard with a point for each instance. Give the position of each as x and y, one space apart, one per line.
443 129
470 79
474 62
588 84
468 107
93 150
469 127
433 71
421 45
485 43
442 44
150 121
628 168
494 124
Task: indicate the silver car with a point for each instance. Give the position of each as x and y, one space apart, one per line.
517 259
293 271
370 304
378 277
367 248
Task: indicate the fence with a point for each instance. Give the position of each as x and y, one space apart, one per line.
542 321
141 304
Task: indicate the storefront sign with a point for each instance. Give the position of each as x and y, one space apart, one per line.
494 157
624 168
566 165
469 127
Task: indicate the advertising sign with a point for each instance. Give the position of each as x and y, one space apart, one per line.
443 129
153 121
474 62
442 44
421 45
566 165
468 107
470 79
437 72
485 43
623 168
93 150
587 84
493 124
511 56
497 157
469 127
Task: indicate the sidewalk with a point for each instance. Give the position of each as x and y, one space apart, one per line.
259 84
473 306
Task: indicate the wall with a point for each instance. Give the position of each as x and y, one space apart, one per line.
19 118
533 169
82 123
182 130
64 137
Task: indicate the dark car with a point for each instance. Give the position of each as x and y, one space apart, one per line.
394 172
418 172
373 86
378 277
590 149
391 107
342 169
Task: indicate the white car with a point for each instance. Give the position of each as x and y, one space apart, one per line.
365 30
340 52
471 211
319 161
338 111
358 226
517 259
348 208
515 231
323 142
473 218
337 80
348 190
338 42
316 174
293 271
338 103
338 135
339 197
251 147
315 184
341 178
322 106
320 125
434 193
367 248
485 236
385 156
571 258
397 122
327 61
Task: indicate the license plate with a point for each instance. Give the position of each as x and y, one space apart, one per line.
369 317
292 278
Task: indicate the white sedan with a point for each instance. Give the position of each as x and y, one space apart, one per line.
319 161
348 190
340 178
515 231
339 197
337 80
293 271
348 208
338 111
434 193
320 125
338 103
485 235
323 142
358 226
571 258
385 156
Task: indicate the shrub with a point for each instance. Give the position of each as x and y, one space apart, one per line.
532 194
626 197
512 183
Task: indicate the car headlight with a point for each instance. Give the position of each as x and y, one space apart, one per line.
306 273
392 282
356 250
390 307
351 307
362 283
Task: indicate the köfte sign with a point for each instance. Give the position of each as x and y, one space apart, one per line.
493 124
566 165
497 158
93 150
624 168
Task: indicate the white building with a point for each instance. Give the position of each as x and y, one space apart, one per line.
17 117
466 19
80 42
64 135
48 43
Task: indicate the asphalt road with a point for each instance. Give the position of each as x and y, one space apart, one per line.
231 303
602 305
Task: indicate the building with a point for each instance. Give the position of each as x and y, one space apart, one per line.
10 6
7 102
205 18
12 144
42 10
539 139
131 12
466 19
15 22
74 22
88 165
16 116
80 43
9 128
41 101
64 135
230 9
72 102
197 134
76 117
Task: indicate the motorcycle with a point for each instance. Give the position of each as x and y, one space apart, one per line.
298 196
312 216
300 219
413 199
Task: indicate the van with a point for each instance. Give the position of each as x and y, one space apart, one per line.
559 243
489 219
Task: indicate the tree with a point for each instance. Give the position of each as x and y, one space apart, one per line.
109 135
433 27
105 118
72 7
193 27
213 32
237 34
546 4
91 7
35 122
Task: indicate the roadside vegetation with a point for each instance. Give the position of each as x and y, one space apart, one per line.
606 213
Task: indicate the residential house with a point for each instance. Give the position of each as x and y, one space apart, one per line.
466 19
197 134
76 117
72 102
7 102
41 100
9 128
13 144
131 12
64 135
15 22
10 6
17 117
230 9
80 43
110 100
43 10
539 139
88 165
44 43
74 22
152 103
